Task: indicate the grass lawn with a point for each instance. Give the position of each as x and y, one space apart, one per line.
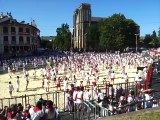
148 114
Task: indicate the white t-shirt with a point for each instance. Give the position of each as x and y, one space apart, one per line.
74 95
10 87
35 115
112 75
101 96
130 99
79 96
88 95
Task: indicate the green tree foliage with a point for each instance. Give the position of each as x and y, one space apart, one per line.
117 32
147 40
154 42
63 38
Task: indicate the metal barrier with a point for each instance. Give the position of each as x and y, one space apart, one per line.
93 110
32 99
101 111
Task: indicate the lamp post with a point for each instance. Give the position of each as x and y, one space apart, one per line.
136 42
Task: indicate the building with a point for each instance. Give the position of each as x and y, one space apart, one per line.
82 19
17 38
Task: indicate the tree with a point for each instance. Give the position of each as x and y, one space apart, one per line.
154 42
117 32
63 38
147 40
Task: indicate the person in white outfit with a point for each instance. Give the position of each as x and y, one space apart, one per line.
17 83
67 97
65 84
36 112
10 88
88 95
27 80
112 77
46 84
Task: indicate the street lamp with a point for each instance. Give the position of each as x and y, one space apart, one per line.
136 41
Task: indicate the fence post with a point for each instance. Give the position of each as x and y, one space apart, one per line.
41 95
25 99
15 100
107 92
56 98
136 88
127 88
34 99
9 102
47 96
22 101
53 96
2 103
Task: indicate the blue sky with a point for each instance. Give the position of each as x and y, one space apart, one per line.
50 14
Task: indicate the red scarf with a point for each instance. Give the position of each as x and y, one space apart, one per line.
36 109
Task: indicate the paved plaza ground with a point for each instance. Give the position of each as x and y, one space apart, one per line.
35 84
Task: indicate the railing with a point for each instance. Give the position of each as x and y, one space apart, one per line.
32 99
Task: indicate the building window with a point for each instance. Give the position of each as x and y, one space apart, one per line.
20 29
5 29
13 30
6 49
27 30
5 38
28 40
13 39
20 39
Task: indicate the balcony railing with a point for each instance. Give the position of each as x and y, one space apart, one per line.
23 33
21 43
13 33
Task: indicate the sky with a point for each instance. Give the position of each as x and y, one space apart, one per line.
50 14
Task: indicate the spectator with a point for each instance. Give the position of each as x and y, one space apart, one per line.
51 113
100 96
26 112
36 112
12 112
17 83
111 92
88 95
131 101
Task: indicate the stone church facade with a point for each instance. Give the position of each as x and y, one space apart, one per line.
82 19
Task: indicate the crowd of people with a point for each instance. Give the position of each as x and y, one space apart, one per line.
42 110
85 69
